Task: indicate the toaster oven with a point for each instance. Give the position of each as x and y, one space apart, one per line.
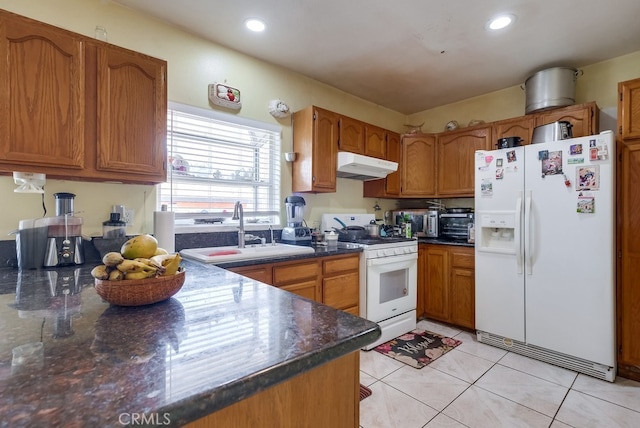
424 223
454 226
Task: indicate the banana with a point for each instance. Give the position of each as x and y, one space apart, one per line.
163 259
171 268
112 259
127 266
115 275
100 272
139 275
152 263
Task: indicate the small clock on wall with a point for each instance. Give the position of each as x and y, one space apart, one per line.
225 96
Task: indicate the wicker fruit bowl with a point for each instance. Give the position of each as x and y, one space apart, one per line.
138 292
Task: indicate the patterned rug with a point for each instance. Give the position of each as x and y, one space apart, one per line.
364 392
418 347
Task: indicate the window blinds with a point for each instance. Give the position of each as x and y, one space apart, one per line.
216 160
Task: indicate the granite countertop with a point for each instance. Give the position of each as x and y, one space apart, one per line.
439 241
222 338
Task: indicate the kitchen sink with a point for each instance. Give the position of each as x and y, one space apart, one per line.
233 253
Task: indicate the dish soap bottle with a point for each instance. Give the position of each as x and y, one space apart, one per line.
406 226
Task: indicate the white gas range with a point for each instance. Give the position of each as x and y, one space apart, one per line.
388 277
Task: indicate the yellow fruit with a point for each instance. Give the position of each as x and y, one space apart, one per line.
144 246
160 251
100 272
112 259
116 275
171 268
139 275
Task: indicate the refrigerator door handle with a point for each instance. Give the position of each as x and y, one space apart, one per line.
517 235
527 233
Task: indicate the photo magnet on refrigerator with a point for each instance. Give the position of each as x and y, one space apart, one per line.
586 204
588 178
575 149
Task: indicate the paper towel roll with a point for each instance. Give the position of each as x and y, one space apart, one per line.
164 230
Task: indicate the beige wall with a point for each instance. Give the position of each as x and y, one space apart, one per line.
194 63
599 83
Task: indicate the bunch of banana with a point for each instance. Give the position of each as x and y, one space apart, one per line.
115 267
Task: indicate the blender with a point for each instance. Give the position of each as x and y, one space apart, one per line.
295 232
64 242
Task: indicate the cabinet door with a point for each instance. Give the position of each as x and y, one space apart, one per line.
462 297
308 289
456 154
583 117
628 232
341 291
132 113
375 142
436 302
351 135
422 279
517 127
390 185
394 154
419 166
42 95
629 109
325 145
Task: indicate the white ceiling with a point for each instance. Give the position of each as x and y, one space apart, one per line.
412 55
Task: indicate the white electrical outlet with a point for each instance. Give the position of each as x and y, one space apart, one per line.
129 215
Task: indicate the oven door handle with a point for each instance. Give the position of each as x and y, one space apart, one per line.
392 259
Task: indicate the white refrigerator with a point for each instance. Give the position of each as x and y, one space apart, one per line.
545 252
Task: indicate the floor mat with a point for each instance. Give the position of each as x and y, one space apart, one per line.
364 392
418 347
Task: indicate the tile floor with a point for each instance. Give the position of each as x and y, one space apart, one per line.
477 385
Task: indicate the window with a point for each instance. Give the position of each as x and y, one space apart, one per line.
216 159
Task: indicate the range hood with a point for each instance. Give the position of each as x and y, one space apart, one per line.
359 167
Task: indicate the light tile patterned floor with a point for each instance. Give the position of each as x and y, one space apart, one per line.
479 386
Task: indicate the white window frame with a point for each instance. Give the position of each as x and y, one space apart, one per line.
185 221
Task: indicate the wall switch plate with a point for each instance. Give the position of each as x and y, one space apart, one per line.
129 215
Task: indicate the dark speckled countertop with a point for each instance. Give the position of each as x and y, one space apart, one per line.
222 338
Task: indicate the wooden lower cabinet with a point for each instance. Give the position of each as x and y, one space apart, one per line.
327 396
332 280
446 284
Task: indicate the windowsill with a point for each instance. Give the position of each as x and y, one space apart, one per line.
210 228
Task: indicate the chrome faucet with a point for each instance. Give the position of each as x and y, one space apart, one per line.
238 214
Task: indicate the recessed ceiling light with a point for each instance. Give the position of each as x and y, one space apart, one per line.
500 22
255 24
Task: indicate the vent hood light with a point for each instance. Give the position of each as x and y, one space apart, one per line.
359 167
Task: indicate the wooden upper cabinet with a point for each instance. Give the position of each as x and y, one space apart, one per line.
375 141
583 117
132 113
419 166
351 137
456 153
629 109
516 127
42 95
391 184
80 109
315 140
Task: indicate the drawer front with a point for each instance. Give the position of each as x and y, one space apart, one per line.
260 273
295 272
344 264
341 291
463 258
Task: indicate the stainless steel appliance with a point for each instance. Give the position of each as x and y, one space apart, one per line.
295 232
424 223
454 224
388 277
64 243
552 132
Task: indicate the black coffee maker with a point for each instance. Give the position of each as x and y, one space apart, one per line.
64 241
